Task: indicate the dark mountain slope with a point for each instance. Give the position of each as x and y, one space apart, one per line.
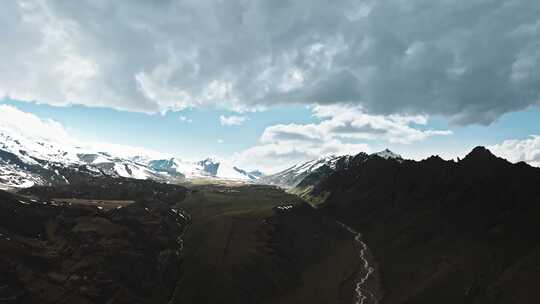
243 246
54 252
118 240
441 231
110 188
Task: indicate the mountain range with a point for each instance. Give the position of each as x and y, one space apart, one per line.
317 168
27 161
439 231
376 227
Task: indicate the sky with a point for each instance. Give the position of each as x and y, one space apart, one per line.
267 84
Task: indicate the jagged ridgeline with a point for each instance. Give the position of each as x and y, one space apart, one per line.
300 179
441 231
27 161
374 228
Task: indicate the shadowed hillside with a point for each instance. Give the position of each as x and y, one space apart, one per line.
444 231
117 240
55 252
258 244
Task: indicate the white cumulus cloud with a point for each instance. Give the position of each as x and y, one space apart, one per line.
279 155
232 120
341 130
349 122
13 120
36 129
515 150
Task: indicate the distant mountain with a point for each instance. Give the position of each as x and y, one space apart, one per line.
207 168
292 176
319 168
387 154
441 231
27 161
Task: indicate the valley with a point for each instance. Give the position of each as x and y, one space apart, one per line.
270 152
363 229
236 240
247 249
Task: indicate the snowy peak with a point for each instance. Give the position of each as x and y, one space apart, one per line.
166 166
30 150
28 160
295 174
387 154
206 168
322 166
313 165
210 166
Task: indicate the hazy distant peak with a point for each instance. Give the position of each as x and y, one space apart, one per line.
387 154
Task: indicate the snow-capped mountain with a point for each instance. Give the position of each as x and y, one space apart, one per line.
294 175
207 168
27 160
387 154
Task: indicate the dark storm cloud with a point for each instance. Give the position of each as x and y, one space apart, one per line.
468 60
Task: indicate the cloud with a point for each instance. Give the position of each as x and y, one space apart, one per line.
347 122
231 120
28 126
468 60
341 130
515 150
279 155
183 118
220 141
12 120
